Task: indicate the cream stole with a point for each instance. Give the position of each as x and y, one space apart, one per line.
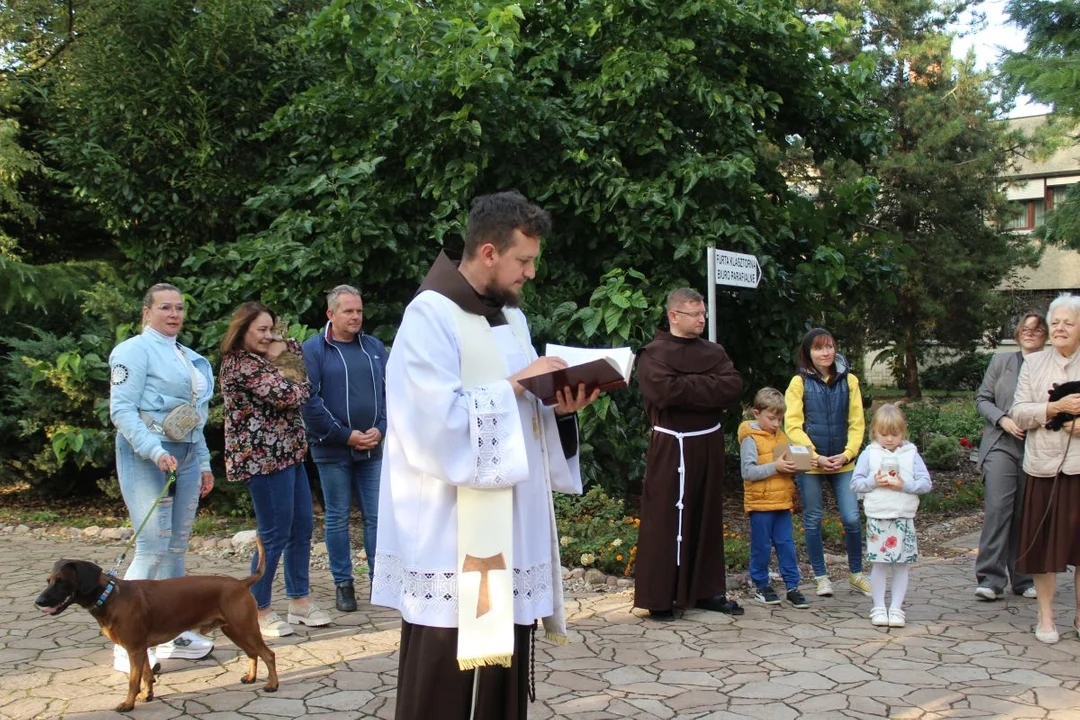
485 522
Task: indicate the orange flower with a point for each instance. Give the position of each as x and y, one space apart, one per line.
618 558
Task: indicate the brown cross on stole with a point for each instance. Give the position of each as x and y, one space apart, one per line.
482 566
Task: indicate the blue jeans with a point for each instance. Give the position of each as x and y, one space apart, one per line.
163 542
769 529
810 491
283 510
341 482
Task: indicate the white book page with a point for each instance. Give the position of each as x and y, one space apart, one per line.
622 357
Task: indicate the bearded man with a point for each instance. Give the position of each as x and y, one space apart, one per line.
467 548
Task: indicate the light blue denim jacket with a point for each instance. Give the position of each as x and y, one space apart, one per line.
147 376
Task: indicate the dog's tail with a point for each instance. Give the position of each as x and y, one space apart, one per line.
261 567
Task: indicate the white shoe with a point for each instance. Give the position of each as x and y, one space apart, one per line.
879 616
1030 593
271 625
1049 636
897 618
121 663
824 586
313 616
986 593
188 645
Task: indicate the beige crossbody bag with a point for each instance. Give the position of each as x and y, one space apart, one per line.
183 418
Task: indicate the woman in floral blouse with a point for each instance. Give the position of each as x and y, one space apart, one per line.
263 383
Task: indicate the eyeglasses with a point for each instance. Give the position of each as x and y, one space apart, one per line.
169 308
701 314
1032 331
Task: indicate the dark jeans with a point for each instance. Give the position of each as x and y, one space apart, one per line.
769 529
283 510
341 482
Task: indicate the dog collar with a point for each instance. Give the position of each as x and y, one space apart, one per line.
105 593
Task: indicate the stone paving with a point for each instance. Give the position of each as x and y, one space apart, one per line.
956 658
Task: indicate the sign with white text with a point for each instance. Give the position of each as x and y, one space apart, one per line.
737 269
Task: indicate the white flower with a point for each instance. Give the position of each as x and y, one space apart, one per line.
565 540
616 542
587 559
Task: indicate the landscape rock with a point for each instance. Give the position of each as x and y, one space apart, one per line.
22 529
595 577
92 531
243 538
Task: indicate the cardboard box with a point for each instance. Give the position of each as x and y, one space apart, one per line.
799 454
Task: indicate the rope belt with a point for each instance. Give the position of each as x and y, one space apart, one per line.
682 475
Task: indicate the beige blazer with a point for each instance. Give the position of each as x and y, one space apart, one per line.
1044 449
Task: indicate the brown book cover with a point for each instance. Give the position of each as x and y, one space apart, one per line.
601 373
604 368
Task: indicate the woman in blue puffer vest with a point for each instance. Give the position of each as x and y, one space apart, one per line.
825 413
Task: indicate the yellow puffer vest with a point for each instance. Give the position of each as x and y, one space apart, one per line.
776 492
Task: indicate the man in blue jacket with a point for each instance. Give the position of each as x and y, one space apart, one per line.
346 421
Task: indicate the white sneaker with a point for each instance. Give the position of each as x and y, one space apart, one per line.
1030 593
986 593
121 663
188 645
824 586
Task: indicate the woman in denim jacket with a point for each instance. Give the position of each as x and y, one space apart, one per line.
151 374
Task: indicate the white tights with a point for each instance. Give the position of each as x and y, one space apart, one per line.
878 576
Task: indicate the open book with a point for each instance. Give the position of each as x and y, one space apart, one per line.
604 368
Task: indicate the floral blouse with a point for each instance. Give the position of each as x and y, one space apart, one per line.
263 429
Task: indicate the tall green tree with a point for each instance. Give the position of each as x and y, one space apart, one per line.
938 211
1049 71
650 130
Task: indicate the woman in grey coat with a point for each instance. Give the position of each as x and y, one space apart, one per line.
1000 456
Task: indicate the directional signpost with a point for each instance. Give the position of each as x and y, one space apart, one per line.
732 269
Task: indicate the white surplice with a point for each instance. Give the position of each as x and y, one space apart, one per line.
431 448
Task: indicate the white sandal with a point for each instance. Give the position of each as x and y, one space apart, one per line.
879 616
897 618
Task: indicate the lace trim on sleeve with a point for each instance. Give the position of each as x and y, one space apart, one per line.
490 429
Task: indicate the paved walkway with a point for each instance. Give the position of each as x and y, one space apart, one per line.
957 658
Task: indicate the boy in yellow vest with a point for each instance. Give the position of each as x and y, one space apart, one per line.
769 497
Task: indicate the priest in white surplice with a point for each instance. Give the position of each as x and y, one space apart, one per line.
467 545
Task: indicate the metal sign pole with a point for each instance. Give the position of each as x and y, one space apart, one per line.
710 274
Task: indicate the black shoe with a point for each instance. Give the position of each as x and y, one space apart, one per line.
720 604
797 599
662 615
767 596
346 598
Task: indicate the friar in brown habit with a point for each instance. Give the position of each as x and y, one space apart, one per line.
687 384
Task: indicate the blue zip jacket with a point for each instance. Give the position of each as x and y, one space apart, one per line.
326 413
147 376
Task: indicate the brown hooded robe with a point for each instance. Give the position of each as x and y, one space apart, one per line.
687 384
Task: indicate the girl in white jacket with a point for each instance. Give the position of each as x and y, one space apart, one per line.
889 478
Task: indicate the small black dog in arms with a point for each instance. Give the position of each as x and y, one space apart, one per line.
1058 391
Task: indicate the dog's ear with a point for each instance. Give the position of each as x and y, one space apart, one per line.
87 576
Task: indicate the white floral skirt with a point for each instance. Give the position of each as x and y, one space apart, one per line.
891 541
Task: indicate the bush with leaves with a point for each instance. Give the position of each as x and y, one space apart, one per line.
594 532
942 453
964 373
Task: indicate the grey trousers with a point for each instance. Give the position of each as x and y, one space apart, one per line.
1003 490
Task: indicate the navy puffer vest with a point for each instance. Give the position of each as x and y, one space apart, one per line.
825 409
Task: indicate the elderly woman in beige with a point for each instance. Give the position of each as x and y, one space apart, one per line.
1050 528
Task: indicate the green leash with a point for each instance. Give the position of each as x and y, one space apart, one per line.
169 480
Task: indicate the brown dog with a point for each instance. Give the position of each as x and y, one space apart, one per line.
138 614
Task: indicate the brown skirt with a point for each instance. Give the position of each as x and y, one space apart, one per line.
1050 528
